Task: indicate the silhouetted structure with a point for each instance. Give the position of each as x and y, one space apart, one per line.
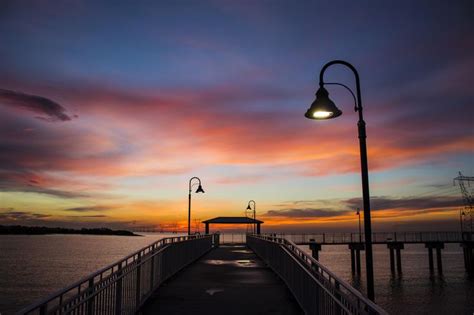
233 220
198 190
324 108
42 230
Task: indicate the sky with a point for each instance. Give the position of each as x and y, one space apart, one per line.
108 108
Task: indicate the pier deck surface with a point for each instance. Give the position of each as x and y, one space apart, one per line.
227 280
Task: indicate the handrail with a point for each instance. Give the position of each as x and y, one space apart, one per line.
318 290
338 238
102 290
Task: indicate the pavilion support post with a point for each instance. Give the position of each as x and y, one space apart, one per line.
207 228
258 228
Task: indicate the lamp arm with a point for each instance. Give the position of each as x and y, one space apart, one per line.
347 88
356 74
253 203
192 180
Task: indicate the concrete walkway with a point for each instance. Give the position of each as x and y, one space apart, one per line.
227 280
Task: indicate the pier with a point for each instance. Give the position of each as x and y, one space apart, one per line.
194 274
230 279
395 242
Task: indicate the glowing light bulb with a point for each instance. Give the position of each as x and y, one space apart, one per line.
322 114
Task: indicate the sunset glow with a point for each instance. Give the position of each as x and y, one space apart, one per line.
103 121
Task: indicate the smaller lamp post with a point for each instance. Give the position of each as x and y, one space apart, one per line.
461 219
254 213
198 190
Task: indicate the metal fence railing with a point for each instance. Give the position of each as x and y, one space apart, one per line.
316 288
378 237
123 287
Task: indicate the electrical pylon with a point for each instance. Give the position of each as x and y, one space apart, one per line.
468 200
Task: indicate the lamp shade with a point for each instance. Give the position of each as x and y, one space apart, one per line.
248 207
200 190
323 107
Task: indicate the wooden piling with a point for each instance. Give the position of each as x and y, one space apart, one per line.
438 260
392 261
355 257
395 250
352 261
399 261
430 259
438 246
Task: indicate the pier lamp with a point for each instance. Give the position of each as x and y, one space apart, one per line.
254 212
324 108
198 190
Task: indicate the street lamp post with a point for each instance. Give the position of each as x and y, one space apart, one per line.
360 231
461 219
324 108
198 190
254 213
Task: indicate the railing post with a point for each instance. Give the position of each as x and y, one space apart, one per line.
90 302
43 309
139 278
338 298
118 291
152 271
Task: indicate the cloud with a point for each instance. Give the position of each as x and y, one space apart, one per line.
22 215
304 213
384 206
89 216
407 203
37 104
20 182
88 209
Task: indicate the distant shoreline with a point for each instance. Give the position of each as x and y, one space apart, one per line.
42 230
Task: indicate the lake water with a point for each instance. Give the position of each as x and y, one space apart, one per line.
415 291
32 267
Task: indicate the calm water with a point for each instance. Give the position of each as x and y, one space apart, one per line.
31 267
415 291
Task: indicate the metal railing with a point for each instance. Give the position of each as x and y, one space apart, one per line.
316 288
379 237
123 287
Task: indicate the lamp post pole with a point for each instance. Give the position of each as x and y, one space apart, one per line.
199 190
254 213
324 108
360 231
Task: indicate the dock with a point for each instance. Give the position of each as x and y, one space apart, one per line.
198 274
230 279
